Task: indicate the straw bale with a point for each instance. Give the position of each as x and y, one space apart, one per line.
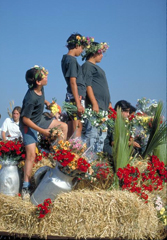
84 214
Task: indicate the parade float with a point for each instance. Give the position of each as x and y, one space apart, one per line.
78 193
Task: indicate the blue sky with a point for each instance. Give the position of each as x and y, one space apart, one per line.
35 32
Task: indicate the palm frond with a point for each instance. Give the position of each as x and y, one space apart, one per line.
161 152
158 132
121 149
11 103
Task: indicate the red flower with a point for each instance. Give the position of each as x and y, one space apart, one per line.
112 113
83 165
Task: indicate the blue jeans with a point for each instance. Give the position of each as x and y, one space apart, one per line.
94 137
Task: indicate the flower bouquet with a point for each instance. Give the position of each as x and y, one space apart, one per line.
11 152
55 109
147 106
71 159
102 119
47 143
140 123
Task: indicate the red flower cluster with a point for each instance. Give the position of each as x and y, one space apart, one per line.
132 116
112 113
82 165
43 209
152 178
102 171
68 159
64 157
155 173
12 149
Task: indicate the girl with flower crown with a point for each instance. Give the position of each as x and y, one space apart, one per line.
76 88
98 95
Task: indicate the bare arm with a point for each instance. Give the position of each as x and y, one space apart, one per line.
74 89
47 103
3 135
92 98
31 124
133 143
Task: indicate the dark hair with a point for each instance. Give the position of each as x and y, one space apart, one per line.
91 54
16 108
124 105
31 77
72 41
132 109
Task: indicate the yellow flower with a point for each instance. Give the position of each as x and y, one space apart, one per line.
165 221
78 37
88 46
75 118
162 211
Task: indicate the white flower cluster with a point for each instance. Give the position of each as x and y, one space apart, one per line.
147 106
99 120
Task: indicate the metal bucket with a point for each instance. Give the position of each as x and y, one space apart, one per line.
9 179
53 183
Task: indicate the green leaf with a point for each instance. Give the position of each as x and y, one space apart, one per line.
158 132
121 150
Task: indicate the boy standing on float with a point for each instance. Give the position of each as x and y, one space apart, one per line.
76 88
98 95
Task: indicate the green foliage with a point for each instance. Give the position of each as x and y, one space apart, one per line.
121 150
158 132
161 153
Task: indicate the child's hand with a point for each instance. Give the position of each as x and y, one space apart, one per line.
95 108
46 132
47 103
133 143
80 109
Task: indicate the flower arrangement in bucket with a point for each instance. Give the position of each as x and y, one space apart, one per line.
69 155
11 152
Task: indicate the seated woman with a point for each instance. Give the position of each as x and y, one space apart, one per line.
10 128
125 111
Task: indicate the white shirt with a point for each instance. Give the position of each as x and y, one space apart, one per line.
11 128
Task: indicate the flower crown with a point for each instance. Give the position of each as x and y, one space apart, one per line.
98 48
82 40
41 70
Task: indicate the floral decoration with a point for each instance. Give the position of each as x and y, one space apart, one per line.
54 107
161 210
11 151
43 209
147 106
100 48
41 71
140 123
152 179
69 155
81 40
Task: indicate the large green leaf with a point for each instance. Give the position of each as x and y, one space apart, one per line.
158 132
121 150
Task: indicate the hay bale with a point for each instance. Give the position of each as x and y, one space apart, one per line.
84 214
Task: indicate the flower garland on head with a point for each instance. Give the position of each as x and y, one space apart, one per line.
81 40
41 71
95 48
